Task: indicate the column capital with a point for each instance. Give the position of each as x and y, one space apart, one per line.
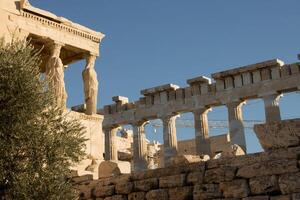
236 104
90 59
203 110
139 123
108 128
272 99
54 43
169 117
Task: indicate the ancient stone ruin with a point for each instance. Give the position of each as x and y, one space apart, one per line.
134 168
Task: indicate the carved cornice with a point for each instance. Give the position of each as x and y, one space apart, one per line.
61 27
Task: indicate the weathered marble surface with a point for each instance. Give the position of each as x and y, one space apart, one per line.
280 134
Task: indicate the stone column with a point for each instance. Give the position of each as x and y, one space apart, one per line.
111 151
139 146
170 138
54 71
236 126
201 131
90 83
272 110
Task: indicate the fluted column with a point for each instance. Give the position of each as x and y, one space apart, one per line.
236 126
111 151
54 71
139 146
170 138
202 131
90 83
272 110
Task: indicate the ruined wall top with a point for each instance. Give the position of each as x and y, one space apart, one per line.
234 85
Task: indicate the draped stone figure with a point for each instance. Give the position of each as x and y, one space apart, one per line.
89 76
55 76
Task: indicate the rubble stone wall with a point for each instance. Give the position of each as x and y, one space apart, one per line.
272 175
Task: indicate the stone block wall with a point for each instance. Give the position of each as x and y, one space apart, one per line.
272 175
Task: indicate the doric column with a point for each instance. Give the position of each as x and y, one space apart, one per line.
272 110
170 138
202 131
236 127
90 82
111 151
54 71
139 146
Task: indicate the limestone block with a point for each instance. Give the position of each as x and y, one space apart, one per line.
220 84
136 196
180 95
229 83
198 80
289 183
142 102
186 159
81 179
172 181
113 108
204 88
267 168
104 191
247 78
225 173
212 88
264 185
238 81
265 74
85 192
121 99
146 184
275 73
181 193
237 188
107 109
206 191
232 151
157 89
257 198
131 106
124 188
295 68
280 197
161 194
278 134
121 179
116 197
256 76
172 95
195 89
188 92
113 168
248 68
164 97
149 100
285 71
156 98
195 178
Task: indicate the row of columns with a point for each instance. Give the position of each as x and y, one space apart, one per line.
140 159
236 132
54 70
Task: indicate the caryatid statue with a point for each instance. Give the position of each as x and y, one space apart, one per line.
55 75
90 80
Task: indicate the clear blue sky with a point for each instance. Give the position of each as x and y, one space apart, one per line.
149 43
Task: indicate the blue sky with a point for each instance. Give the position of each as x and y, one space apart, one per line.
149 43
